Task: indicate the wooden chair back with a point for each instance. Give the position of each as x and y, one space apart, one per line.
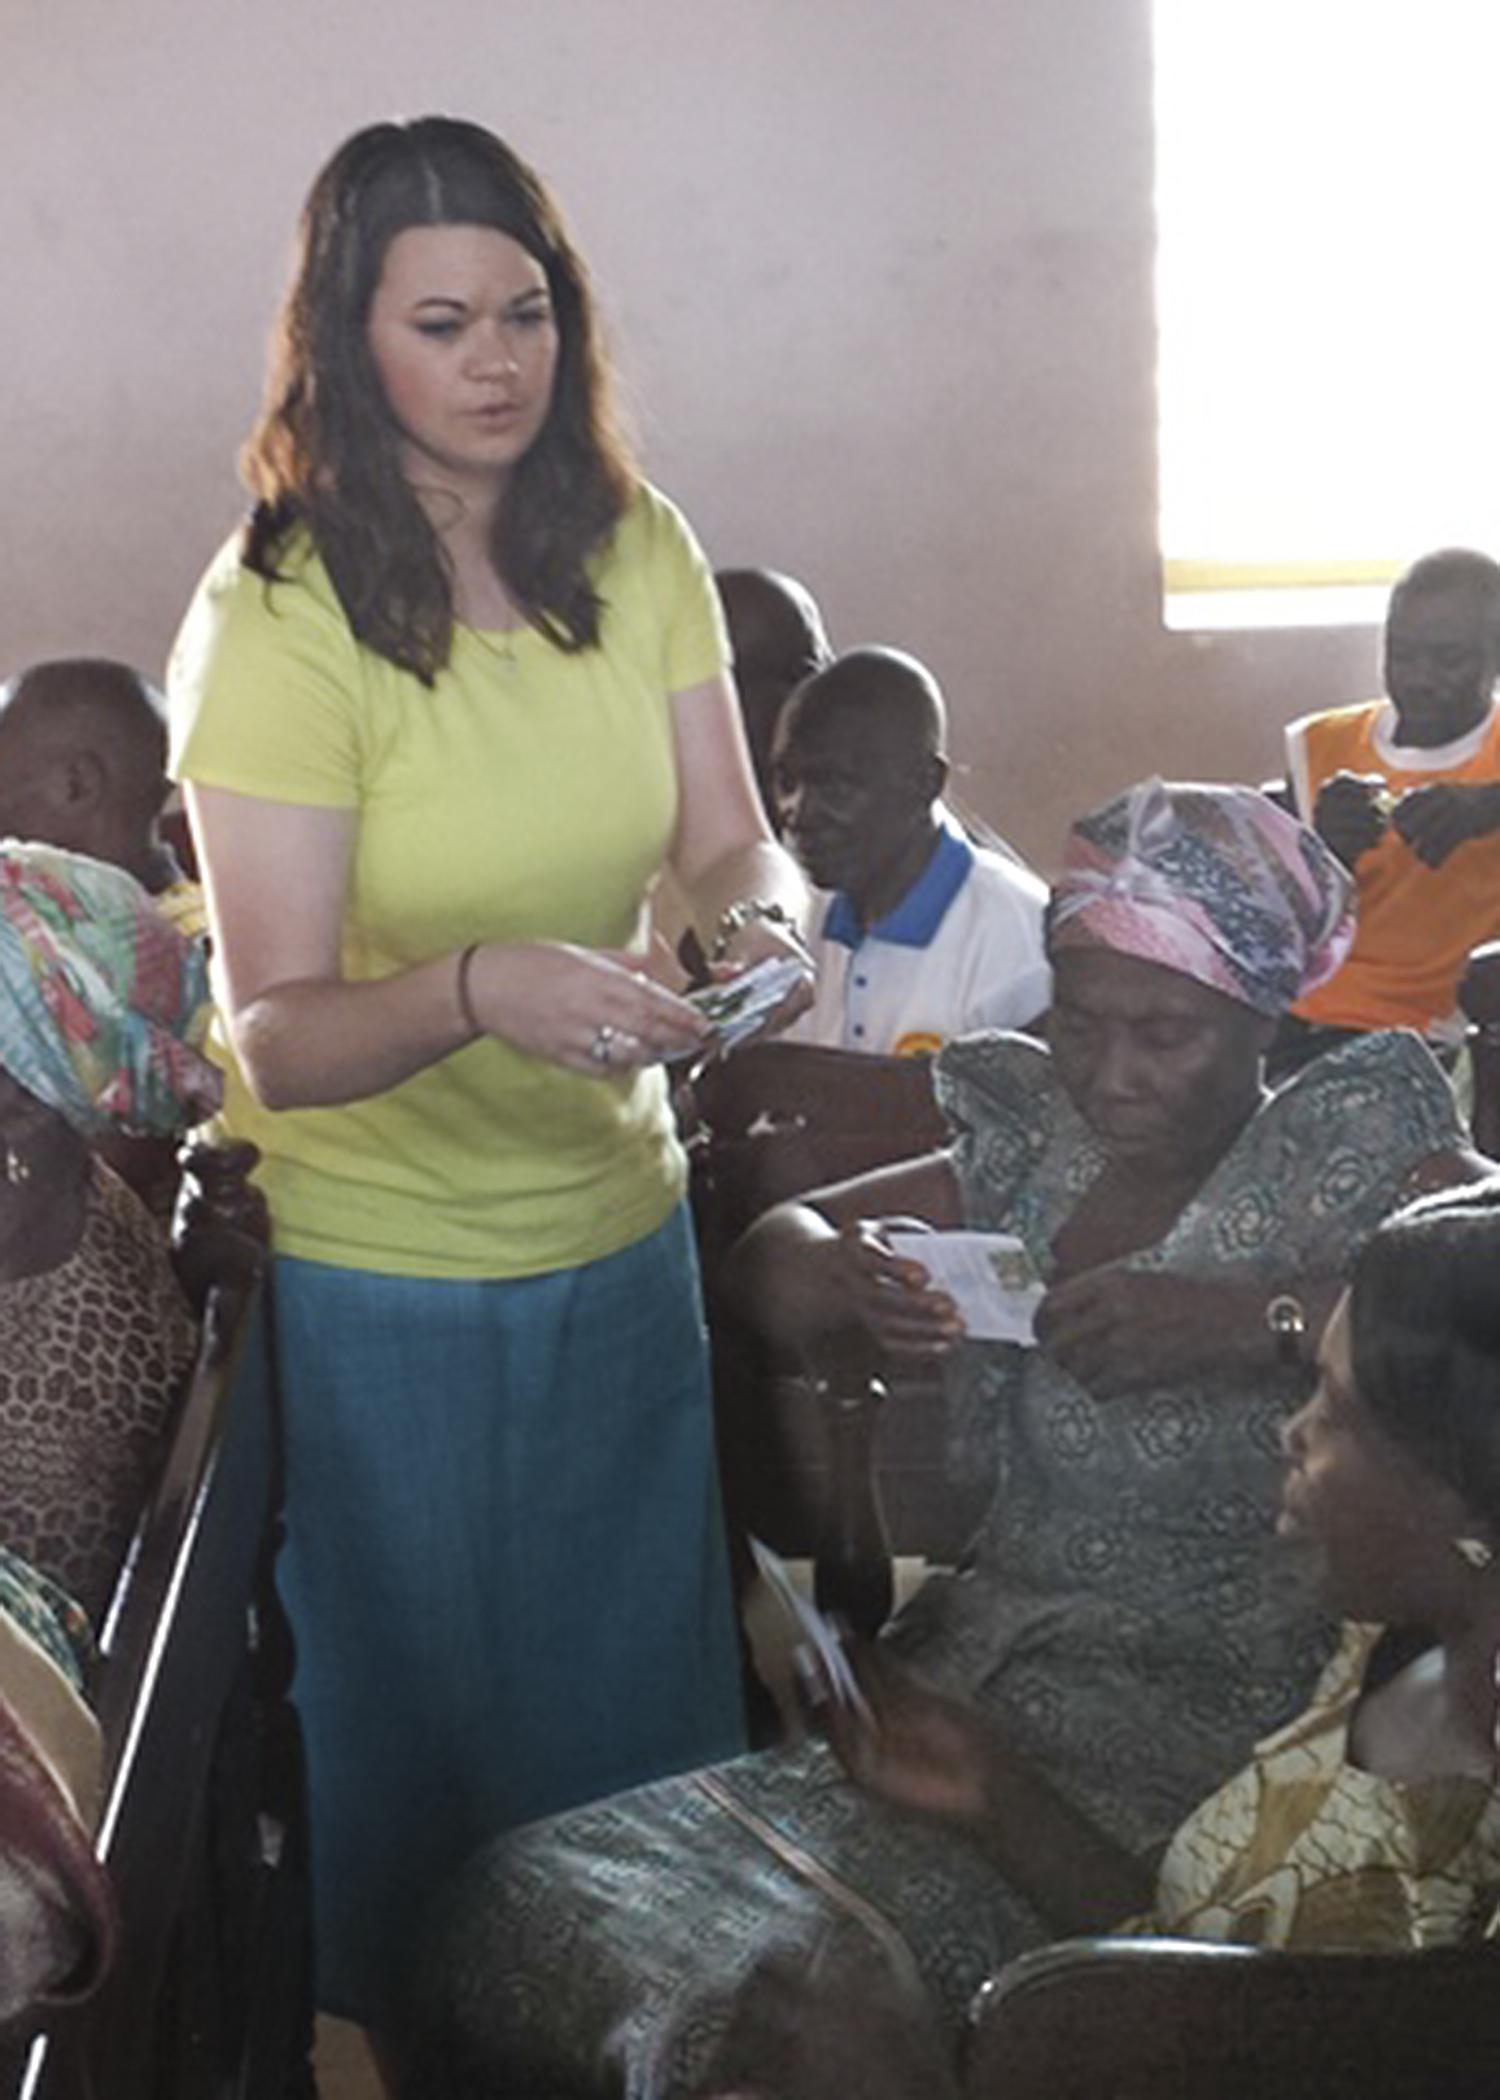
1479 996
777 1119
1176 2020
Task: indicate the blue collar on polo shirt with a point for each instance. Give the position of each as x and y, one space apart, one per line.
913 922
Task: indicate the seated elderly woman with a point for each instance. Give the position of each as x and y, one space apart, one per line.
1121 1608
99 997
1371 1822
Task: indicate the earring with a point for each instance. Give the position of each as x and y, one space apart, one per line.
17 1167
1474 1553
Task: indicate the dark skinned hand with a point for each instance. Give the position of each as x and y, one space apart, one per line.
1117 1329
916 1748
1435 821
893 1299
1348 815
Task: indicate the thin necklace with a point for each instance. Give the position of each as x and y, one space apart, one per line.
499 642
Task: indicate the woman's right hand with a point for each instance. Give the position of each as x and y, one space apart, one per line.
590 1010
891 1297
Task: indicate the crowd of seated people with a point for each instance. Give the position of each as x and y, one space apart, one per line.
1370 1821
1125 1628
1122 1623
1123 1614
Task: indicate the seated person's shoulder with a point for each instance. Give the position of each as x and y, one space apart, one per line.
1352 712
997 875
993 1076
1011 977
1383 1090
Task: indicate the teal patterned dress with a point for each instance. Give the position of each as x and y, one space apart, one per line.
1123 1606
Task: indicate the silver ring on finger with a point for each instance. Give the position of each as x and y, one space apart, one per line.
602 1048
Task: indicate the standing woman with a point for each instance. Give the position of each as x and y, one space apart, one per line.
444 709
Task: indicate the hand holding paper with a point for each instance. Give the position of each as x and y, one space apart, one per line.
989 1276
821 1636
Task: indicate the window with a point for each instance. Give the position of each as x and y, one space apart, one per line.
1328 291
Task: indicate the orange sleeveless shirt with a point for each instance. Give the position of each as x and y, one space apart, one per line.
1416 924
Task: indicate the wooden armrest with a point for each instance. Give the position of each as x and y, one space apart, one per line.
1167 2019
221 1225
175 1639
1479 997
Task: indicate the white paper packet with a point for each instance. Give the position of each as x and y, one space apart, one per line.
990 1277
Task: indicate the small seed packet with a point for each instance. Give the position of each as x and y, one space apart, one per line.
821 1636
990 1276
737 1006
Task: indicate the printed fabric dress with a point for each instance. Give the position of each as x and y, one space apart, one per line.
1304 1850
1123 1606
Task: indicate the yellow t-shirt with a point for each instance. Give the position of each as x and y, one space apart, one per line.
529 795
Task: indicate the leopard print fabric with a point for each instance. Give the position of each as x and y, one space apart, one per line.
93 1356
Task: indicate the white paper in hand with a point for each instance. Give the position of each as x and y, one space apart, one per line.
824 1642
737 1006
990 1277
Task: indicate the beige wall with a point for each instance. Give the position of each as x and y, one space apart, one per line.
879 277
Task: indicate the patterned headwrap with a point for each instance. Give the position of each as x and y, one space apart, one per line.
102 1002
1215 882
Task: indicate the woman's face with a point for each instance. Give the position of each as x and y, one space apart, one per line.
1382 1524
1163 1069
464 341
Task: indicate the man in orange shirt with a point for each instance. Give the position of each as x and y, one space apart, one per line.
1406 791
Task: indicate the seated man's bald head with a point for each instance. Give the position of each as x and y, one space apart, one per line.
83 750
889 693
858 769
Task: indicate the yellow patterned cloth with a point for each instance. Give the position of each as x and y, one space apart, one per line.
1303 1849
184 905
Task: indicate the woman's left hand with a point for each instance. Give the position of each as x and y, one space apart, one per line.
1115 1330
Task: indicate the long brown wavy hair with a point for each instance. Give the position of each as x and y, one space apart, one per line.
324 453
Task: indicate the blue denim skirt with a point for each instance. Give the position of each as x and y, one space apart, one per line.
504 1568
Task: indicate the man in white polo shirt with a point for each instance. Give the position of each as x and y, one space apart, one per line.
926 936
